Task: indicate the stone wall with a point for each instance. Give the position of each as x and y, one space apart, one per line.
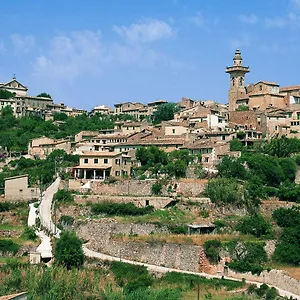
157 202
99 232
192 187
268 206
274 277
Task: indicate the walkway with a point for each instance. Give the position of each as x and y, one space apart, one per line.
159 269
45 248
45 208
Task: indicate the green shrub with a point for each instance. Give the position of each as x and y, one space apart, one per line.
287 217
156 188
178 229
191 280
29 233
255 225
66 220
125 273
8 246
4 206
225 191
247 256
63 196
212 250
68 250
120 209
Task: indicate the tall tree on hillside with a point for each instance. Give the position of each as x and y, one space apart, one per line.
165 112
68 250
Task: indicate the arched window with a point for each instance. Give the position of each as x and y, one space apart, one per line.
241 81
233 81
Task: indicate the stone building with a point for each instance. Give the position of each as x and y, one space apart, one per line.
101 165
258 96
16 189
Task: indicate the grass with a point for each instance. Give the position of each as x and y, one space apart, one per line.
7 226
163 217
195 239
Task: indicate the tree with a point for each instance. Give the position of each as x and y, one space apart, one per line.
231 167
267 168
44 95
236 145
225 191
255 225
282 147
165 112
4 94
63 196
212 250
68 250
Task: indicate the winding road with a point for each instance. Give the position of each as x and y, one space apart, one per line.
46 249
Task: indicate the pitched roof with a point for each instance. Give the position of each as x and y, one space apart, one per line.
101 154
289 88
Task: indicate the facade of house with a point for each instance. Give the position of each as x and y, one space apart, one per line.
16 189
101 165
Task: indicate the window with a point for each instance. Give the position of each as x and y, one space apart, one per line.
117 173
97 148
173 130
223 137
86 161
260 87
105 160
206 159
95 160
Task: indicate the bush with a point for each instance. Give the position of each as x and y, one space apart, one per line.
247 256
156 188
4 206
225 191
29 233
178 229
287 217
8 246
66 220
125 273
288 246
63 196
255 225
120 209
212 250
68 250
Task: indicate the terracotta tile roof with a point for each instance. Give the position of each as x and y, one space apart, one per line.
200 144
101 154
267 82
289 88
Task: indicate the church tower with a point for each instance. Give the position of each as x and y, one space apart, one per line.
237 80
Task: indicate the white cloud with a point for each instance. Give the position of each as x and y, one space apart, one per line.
279 22
240 42
22 43
86 53
248 19
145 31
295 3
198 20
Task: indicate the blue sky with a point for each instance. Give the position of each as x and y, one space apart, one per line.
87 53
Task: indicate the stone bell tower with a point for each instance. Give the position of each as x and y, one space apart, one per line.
237 80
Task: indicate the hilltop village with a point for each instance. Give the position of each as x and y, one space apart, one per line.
255 113
152 201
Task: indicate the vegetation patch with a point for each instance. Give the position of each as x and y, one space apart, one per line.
8 246
120 209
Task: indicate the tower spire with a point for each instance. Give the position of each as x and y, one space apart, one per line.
237 79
